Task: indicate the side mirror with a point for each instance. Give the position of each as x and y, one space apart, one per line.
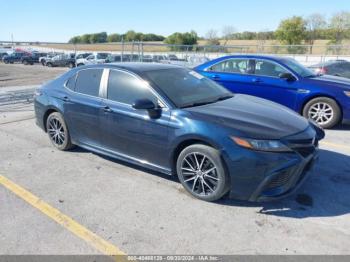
145 104
154 112
287 76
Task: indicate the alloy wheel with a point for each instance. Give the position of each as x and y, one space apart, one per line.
322 113
199 174
56 131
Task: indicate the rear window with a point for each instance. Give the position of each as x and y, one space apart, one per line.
88 81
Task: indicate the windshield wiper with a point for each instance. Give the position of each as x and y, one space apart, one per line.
224 97
220 98
198 104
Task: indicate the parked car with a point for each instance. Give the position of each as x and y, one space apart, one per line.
159 58
13 57
324 99
173 120
333 67
113 58
82 55
2 54
62 60
97 58
44 59
32 58
147 59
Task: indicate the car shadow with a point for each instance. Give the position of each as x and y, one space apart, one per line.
326 193
342 127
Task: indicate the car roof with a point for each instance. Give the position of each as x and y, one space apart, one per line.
136 67
330 62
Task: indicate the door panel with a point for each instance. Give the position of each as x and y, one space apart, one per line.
267 84
133 133
82 106
129 131
83 118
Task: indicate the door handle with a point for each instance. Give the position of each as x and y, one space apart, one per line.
65 99
107 109
257 80
215 77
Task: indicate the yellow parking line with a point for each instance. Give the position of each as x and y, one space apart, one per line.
335 145
68 223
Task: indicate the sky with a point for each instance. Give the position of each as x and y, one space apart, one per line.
59 20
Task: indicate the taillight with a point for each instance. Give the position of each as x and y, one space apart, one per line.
323 71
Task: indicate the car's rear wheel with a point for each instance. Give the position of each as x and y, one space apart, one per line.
25 62
43 62
58 132
202 172
49 64
324 111
71 65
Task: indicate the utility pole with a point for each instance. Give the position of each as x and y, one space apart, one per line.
13 46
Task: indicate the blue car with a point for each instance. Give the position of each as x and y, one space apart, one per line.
322 98
175 121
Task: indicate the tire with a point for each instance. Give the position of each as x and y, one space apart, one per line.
324 111
6 62
80 64
58 132
43 62
25 62
205 158
49 64
71 65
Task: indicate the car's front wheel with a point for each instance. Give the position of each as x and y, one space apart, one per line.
58 132
324 111
202 173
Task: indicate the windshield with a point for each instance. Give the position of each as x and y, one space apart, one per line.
299 68
186 88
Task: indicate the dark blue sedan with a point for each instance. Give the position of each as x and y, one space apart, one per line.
175 121
322 98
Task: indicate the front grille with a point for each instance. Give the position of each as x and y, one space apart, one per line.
304 147
305 151
280 180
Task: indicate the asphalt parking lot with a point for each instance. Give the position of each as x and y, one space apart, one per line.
79 202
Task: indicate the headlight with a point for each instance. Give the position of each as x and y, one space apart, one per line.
261 145
347 93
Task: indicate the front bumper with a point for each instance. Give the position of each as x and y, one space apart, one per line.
263 176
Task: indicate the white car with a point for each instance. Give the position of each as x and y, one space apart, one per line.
96 58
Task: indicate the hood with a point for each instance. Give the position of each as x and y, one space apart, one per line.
332 80
253 117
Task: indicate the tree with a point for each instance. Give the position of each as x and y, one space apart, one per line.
75 40
228 33
85 38
212 37
114 38
314 23
339 25
130 36
291 31
188 38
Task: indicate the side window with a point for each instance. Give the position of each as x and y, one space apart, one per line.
267 68
88 81
238 66
125 88
70 84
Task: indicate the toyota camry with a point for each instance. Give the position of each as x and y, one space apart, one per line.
178 122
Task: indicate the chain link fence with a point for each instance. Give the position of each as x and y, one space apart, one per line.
189 55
